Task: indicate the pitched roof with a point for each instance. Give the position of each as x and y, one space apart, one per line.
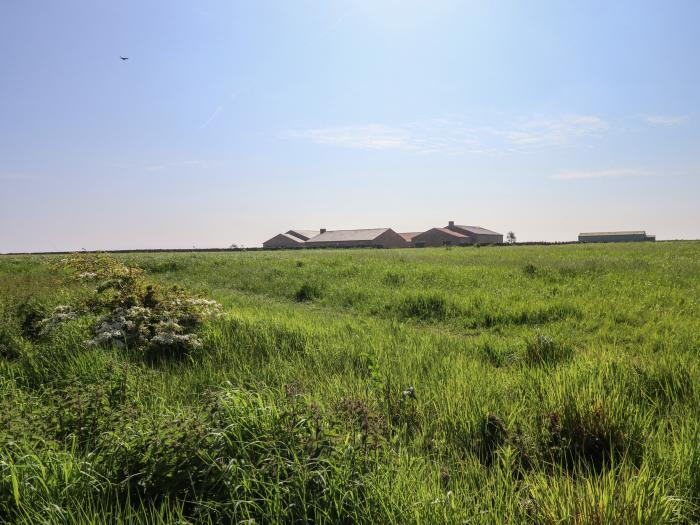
449 232
409 235
291 237
612 233
478 230
349 235
304 234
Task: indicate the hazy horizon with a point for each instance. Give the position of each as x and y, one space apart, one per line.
232 122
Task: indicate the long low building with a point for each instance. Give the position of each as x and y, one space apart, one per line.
374 237
631 236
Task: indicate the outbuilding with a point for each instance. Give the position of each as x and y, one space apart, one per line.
630 236
375 237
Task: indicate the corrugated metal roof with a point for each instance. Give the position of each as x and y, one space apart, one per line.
588 234
478 230
349 235
409 235
304 234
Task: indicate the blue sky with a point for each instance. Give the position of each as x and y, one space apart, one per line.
233 121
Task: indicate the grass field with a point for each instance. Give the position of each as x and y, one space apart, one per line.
549 385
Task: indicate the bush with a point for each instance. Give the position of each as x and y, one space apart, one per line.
30 314
136 313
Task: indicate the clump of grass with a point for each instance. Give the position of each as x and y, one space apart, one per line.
530 270
308 291
425 307
665 383
394 279
590 436
542 349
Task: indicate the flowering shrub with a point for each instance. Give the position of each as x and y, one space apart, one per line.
59 315
136 313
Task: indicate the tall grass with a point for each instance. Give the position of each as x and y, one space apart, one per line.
516 385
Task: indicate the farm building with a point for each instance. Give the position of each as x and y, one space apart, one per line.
633 236
304 234
378 237
408 236
284 240
291 239
441 237
477 234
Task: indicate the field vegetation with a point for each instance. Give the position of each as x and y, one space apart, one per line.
518 384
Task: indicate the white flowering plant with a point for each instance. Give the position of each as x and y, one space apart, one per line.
135 313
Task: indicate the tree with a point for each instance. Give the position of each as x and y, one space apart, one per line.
510 238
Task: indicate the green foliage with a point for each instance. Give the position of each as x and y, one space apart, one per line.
499 385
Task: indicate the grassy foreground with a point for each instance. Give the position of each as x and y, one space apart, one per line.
468 385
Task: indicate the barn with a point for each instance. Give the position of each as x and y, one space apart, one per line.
375 237
630 236
441 237
477 234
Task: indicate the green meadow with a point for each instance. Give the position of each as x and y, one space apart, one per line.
515 384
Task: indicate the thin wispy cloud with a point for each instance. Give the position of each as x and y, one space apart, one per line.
598 174
455 136
217 111
179 164
544 132
213 116
666 120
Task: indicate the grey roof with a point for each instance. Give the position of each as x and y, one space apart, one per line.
288 236
447 231
612 233
349 235
304 234
478 230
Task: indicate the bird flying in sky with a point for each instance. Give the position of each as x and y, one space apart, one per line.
124 58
